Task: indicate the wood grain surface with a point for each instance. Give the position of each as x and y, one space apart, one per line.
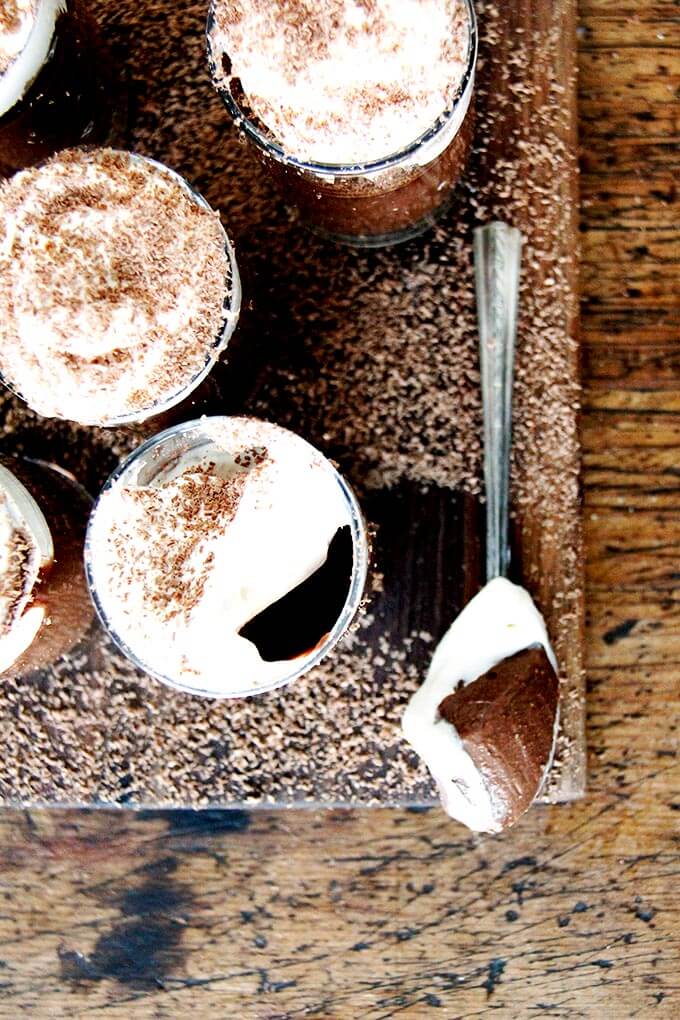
383 914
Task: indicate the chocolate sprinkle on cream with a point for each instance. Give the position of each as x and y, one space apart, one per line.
201 533
113 281
174 525
18 573
342 81
12 12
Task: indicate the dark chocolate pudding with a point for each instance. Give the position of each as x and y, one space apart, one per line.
362 111
55 81
485 718
505 719
299 622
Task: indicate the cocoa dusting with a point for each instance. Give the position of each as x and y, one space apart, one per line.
12 13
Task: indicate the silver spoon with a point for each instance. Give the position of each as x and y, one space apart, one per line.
490 749
497 251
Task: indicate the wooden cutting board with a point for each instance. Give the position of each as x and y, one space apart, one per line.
371 356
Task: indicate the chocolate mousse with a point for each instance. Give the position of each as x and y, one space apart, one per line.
226 556
45 606
483 650
361 110
118 287
55 81
506 719
302 619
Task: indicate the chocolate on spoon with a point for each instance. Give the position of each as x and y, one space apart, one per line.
485 719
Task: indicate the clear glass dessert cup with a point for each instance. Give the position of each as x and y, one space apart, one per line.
62 85
230 314
375 203
58 612
149 461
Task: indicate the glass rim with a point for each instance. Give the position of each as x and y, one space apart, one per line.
50 466
231 309
353 600
245 122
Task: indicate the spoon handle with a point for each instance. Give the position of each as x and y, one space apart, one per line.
497 249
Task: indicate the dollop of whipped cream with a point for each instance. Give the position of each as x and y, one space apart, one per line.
25 550
342 81
182 560
498 622
26 32
116 286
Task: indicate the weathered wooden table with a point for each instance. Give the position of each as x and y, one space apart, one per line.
376 914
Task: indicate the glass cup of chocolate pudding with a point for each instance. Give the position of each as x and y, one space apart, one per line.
226 557
45 607
55 81
361 111
119 287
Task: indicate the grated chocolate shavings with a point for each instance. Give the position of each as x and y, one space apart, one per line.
372 357
112 285
171 529
290 59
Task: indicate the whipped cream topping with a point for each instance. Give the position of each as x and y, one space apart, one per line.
26 33
498 622
118 286
25 550
342 81
191 541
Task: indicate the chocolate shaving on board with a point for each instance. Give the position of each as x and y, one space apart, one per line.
372 357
